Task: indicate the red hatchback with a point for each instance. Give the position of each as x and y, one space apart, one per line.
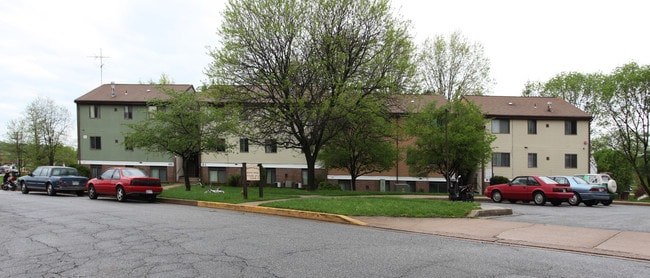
538 189
122 182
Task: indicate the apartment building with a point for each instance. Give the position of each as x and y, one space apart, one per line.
101 117
534 135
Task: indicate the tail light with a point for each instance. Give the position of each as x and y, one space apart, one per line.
597 189
562 189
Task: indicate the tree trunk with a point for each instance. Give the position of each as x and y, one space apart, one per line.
186 177
311 169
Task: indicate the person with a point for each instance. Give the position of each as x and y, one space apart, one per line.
6 178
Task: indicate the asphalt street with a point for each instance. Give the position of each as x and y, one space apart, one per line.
69 236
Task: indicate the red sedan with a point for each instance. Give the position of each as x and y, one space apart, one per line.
122 182
538 189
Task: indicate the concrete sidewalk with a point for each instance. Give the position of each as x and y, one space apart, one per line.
604 242
629 245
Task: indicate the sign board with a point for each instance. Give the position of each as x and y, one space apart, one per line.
252 173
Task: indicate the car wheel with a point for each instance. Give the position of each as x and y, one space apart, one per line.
151 198
23 187
121 195
556 202
575 200
50 190
92 193
606 203
496 196
590 203
539 198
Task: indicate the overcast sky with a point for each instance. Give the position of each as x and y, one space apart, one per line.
49 48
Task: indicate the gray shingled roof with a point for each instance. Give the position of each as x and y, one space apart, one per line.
527 107
129 93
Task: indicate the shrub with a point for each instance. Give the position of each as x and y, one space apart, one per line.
499 180
328 186
234 180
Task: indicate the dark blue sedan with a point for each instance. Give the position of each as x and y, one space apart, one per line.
589 194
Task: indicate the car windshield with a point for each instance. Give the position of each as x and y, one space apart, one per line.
579 180
64 172
133 172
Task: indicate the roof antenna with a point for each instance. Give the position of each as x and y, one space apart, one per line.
549 106
101 65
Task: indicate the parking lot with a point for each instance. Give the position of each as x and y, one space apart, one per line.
616 216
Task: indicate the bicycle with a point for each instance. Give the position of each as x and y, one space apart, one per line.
212 190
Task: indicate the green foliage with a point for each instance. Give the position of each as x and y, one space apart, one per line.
364 144
234 180
83 170
498 180
614 162
312 62
186 125
450 139
328 186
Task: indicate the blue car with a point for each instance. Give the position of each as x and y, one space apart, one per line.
587 193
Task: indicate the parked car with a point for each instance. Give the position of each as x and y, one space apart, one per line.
53 179
538 189
124 182
603 179
587 193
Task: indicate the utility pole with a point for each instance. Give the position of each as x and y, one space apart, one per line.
101 65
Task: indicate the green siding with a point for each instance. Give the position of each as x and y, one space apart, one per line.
110 127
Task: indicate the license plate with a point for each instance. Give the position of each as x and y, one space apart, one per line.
149 191
75 183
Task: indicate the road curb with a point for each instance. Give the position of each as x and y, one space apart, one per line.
329 217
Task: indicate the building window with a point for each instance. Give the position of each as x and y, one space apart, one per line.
532 126
95 143
94 111
95 171
159 172
501 126
271 146
128 112
243 145
570 127
128 146
532 160
217 175
221 145
571 161
501 159
270 175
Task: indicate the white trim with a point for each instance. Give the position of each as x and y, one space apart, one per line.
128 163
387 178
265 165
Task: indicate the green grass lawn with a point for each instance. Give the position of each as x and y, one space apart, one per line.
379 206
357 203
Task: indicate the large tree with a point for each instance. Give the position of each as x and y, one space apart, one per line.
46 125
449 139
453 67
17 141
302 66
184 125
580 89
626 98
366 144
